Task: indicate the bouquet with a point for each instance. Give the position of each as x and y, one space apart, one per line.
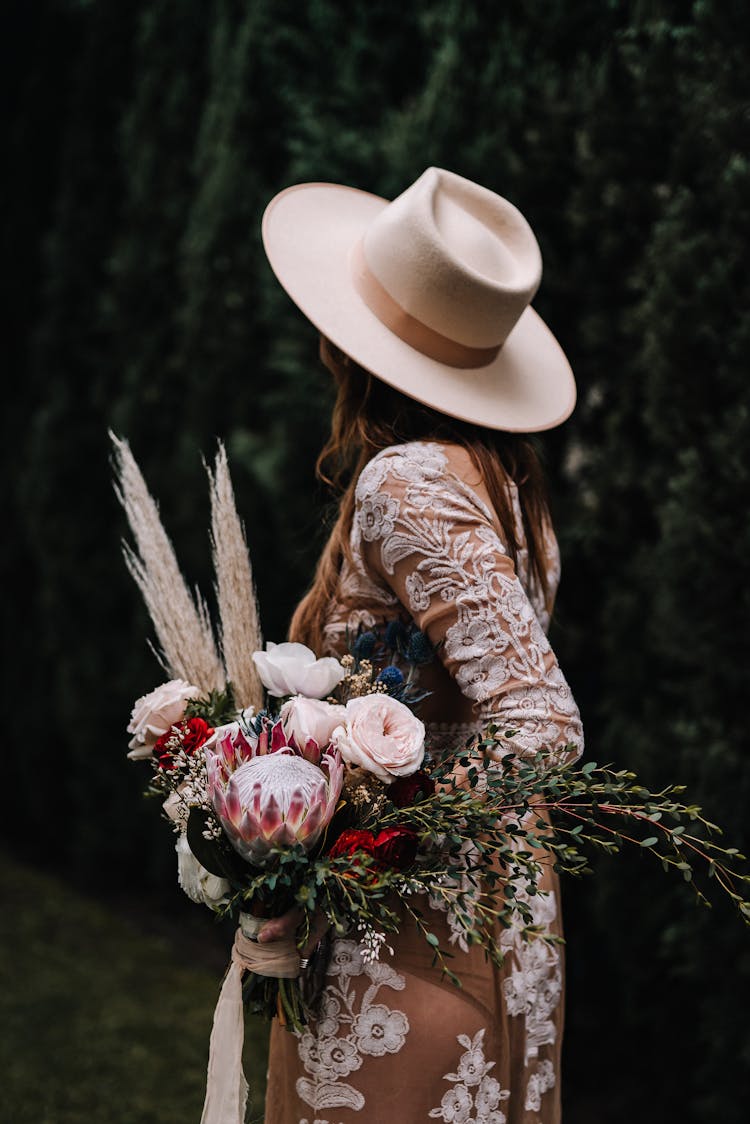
287 807
298 782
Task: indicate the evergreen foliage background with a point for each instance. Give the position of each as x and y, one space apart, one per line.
145 141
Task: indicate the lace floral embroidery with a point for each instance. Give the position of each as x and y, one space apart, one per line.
475 1096
539 1082
534 986
347 1032
376 516
359 601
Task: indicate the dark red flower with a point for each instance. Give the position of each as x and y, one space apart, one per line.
190 735
351 841
196 731
396 847
405 790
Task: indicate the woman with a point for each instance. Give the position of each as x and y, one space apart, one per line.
423 306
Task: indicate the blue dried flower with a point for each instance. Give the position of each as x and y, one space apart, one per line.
391 677
364 645
419 649
395 634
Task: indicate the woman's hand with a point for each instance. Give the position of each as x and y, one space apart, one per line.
285 927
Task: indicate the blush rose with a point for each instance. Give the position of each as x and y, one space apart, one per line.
381 735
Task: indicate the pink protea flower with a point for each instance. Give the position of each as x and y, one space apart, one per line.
266 794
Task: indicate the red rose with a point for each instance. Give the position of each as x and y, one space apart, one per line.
196 731
396 847
190 735
351 841
405 790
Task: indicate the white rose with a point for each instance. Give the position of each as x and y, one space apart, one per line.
198 883
381 735
292 669
153 714
310 720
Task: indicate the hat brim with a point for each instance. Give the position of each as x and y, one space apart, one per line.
309 233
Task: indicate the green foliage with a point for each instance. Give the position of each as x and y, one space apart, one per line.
217 708
146 140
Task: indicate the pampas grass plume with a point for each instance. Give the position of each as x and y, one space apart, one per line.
182 624
235 589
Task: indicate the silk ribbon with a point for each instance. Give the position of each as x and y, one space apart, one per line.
226 1087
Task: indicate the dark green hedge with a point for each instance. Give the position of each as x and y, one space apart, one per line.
146 140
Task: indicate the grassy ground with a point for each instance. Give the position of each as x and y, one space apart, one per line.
99 1022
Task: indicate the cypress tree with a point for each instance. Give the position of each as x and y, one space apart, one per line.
60 489
661 550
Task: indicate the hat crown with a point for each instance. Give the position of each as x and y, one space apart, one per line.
456 257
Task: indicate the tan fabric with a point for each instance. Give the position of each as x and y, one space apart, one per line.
394 1041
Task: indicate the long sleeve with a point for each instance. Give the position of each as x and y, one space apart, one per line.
422 530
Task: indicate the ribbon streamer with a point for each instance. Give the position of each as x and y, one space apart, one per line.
226 1087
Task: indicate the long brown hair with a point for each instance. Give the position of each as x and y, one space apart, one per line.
369 416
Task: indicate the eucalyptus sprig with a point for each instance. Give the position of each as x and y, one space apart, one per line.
596 807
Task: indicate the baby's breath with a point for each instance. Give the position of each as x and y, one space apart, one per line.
371 942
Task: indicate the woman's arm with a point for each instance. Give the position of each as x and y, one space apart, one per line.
427 534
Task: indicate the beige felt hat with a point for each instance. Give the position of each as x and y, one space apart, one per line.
431 293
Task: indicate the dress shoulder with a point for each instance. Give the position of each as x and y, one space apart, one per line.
425 475
412 462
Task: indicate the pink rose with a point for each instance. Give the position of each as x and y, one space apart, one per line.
310 720
381 735
155 713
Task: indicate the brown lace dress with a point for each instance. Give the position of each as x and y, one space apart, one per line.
395 1043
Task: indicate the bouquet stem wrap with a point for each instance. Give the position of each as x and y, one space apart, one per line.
226 1087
